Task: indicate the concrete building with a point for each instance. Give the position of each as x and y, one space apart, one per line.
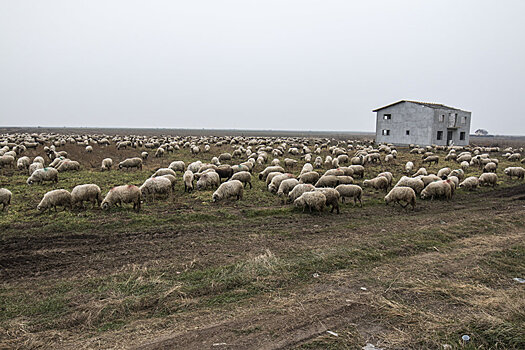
410 122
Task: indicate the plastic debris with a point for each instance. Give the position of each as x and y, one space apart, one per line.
519 280
369 346
447 346
219 344
465 338
363 288
332 333
315 275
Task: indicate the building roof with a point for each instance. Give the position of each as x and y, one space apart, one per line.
426 104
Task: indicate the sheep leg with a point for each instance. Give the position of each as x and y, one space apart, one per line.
250 185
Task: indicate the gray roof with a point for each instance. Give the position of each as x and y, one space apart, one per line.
426 104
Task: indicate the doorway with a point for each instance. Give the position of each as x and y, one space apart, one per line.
449 137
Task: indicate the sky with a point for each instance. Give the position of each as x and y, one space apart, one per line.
272 64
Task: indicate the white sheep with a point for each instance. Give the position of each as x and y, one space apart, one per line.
310 177
332 197
188 179
41 175
263 174
286 186
358 170
164 171
69 165
23 163
89 149
131 163
350 191
7 161
195 166
314 201
409 166
327 181
414 183
438 189
378 183
172 179
307 167
517 171
488 179
107 163
34 166
470 183
345 180
490 167
5 198
55 198
443 172
243 176
420 172
276 182
228 189
401 194
144 155
210 179
156 185
122 194
86 193
298 190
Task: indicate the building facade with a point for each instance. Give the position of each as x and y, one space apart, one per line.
410 122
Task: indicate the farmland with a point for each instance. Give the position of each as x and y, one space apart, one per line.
188 273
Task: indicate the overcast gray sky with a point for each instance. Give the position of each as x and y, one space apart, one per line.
283 64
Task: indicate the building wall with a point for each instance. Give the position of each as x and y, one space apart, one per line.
416 118
459 127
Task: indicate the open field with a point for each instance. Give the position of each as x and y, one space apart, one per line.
186 273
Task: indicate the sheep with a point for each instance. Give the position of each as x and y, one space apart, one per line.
401 194
164 171
41 175
429 179
347 171
517 171
388 175
389 158
358 170
7 161
378 183
243 176
286 186
454 179
332 197
345 180
55 198
327 181
225 171
89 149
464 165
469 183
87 192
34 166
443 173
223 157
38 159
276 181
438 189
159 152
263 174
122 194
144 155
172 179
514 157
298 190
307 167
488 179
270 177
156 185
318 163
335 172
459 173
188 178
131 163
69 165
5 198
23 163
431 159
228 189
409 166
107 163
314 201
350 191
414 183
490 167
210 179
420 172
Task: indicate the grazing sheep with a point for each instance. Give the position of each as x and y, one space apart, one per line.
225 171
388 175
350 191
122 194
107 164
438 189
144 155
517 171
270 177
327 181
345 180
41 175
378 183
188 178
298 190
223 157
89 149
429 179
87 192
35 166
243 176
172 179
488 179
241 167
229 189
332 197
131 163
421 172
38 159
431 159
307 167
159 152
358 170
401 194
459 173
55 198
276 181
490 167
210 179
443 173
314 201
164 171
156 185
69 165
347 171
7 161
414 183
5 198
465 165
455 180
335 172
23 163
263 174
470 183
286 186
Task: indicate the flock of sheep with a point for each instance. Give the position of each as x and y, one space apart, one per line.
329 174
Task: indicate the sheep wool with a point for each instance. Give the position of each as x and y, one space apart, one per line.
122 194
350 191
41 175
243 176
314 201
86 193
55 198
401 194
229 189
5 198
